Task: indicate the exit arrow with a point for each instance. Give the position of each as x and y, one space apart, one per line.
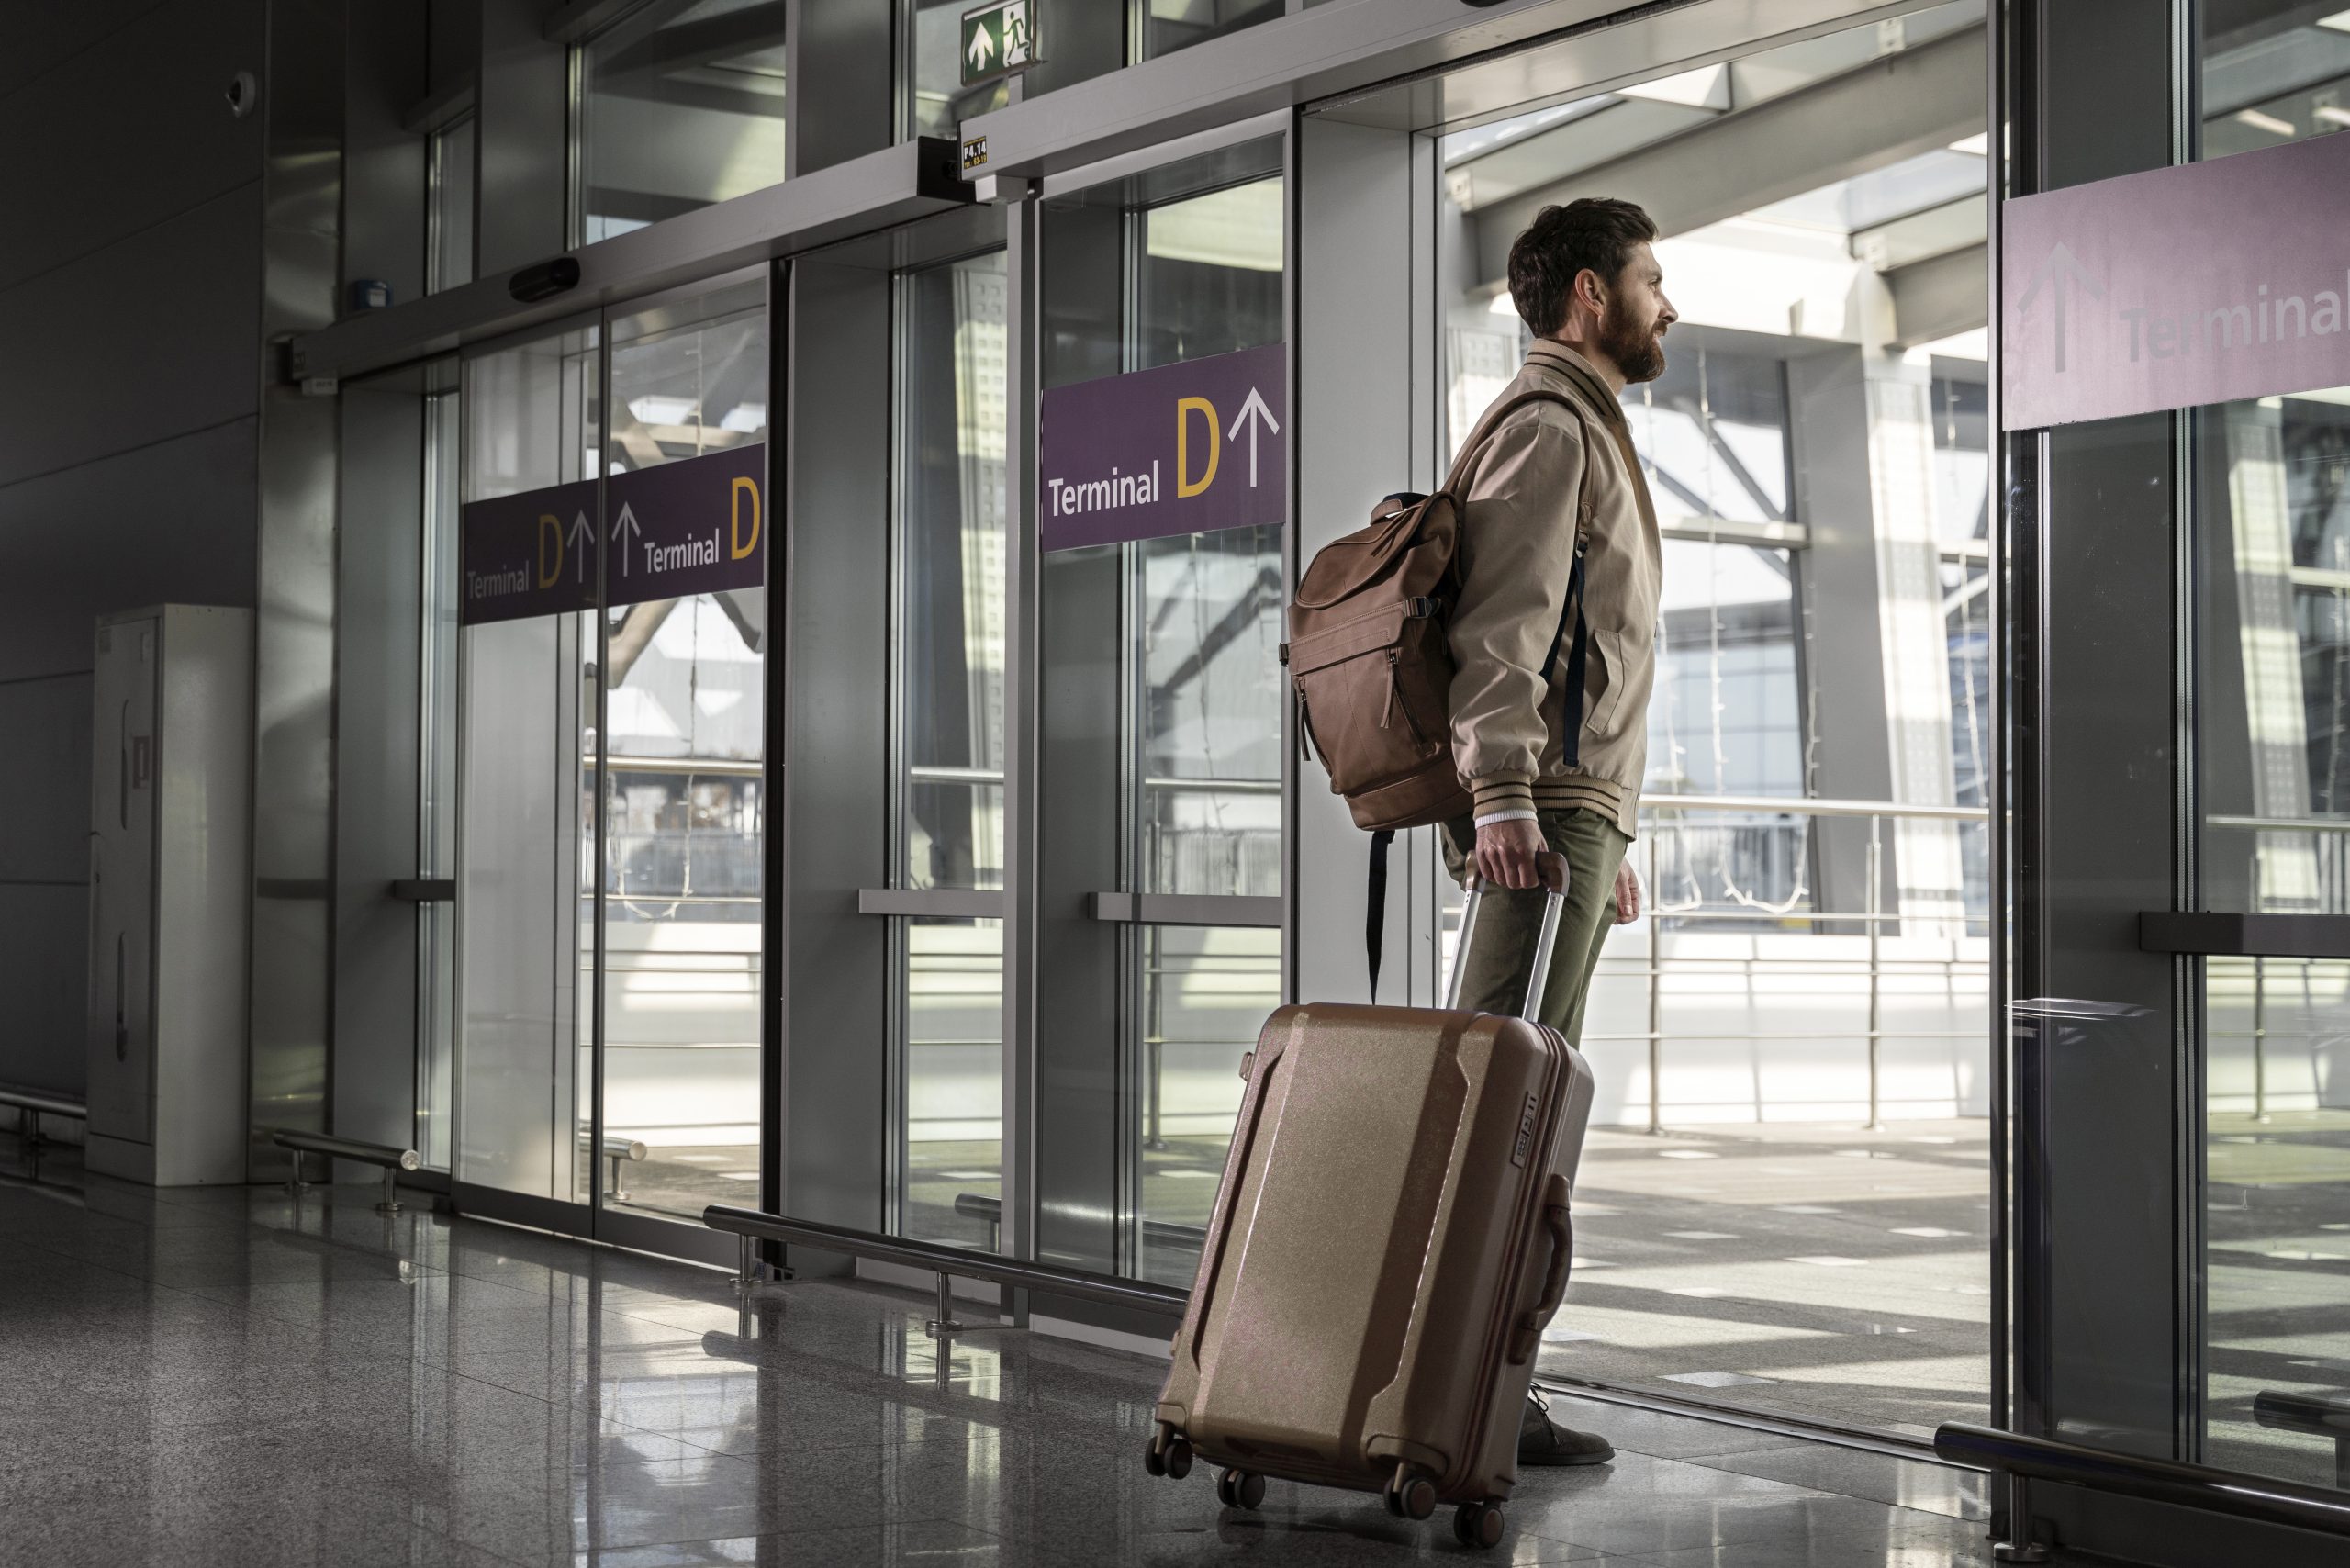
2053 272
580 533
625 522
1254 414
982 47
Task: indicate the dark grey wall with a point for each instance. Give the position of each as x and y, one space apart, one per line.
130 299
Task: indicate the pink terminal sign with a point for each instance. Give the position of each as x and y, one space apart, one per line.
2206 282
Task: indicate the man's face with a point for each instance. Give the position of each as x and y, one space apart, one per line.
1632 325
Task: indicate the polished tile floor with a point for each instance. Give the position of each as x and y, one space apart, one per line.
226 1376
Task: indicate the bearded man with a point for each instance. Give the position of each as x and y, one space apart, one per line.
1553 636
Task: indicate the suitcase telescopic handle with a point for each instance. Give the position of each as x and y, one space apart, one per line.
1551 868
1558 1220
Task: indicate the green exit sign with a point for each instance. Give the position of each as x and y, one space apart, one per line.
998 39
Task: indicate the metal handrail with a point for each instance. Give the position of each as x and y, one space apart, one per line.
949 1264
2022 1458
393 1161
1167 1233
32 1105
615 1148
1812 806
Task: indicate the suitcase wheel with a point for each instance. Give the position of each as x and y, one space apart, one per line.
1169 1454
1410 1495
1239 1489
1478 1525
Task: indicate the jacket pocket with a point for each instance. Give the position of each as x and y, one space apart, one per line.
1603 693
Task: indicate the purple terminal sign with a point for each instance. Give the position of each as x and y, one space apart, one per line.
1183 449
694 526
2205 283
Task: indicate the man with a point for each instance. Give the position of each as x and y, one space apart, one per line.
1551 744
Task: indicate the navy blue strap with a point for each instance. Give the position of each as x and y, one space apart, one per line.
1375 922
1577 657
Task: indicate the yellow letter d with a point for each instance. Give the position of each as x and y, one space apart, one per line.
1184 408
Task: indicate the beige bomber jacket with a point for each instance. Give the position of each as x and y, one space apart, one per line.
1520 499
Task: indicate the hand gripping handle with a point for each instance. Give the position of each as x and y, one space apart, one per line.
1551 868
1559 1223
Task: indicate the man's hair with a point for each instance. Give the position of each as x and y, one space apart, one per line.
1597 233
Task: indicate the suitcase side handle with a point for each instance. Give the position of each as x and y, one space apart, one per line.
1551 868
1559 1222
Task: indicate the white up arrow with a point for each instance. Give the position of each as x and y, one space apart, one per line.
982 47
580 533
625 522
1254 409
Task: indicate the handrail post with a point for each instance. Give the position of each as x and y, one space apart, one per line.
1877 989
944 1325
743 1278
614 1190
2259 1040
2018 1545
390 1203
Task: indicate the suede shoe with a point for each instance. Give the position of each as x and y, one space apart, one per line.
1542 1443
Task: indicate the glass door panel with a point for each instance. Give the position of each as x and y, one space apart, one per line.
531 421
1783 1200
683 780
949 502
2274 527
1162 711
437 801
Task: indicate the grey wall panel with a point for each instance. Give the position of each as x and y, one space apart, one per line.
384 162
522 126
454 46
44 830
842 101
173 521
144 121
42 930
152 337
377 646
836 967
1355 433
44 34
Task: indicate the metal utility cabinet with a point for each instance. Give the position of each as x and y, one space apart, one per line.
171 815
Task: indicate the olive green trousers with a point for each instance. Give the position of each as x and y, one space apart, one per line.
1501 952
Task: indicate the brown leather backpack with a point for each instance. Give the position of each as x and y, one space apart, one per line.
1371 658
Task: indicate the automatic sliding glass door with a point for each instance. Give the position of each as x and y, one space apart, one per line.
1162 708
608 583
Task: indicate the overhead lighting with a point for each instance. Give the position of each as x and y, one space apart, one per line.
1977 144
2339 21
2333 116
2269 123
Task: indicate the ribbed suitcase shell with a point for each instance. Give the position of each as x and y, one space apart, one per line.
1368 1295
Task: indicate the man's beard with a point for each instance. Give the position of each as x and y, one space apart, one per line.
1638 353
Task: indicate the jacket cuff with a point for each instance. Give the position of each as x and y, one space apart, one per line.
1502 792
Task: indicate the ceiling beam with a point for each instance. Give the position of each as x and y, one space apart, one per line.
1940 296
1896 107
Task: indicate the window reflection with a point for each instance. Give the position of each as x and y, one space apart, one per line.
2273 71
937 102
681 104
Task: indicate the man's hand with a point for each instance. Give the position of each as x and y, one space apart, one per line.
1506 852
1627 894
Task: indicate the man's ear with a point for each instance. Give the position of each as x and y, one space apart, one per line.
1587 289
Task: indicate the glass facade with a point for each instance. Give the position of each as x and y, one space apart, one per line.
1790 1200
449 245
680 104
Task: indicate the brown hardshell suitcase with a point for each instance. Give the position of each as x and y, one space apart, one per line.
1391 1238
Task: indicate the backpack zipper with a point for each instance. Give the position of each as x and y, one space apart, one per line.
1395 690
